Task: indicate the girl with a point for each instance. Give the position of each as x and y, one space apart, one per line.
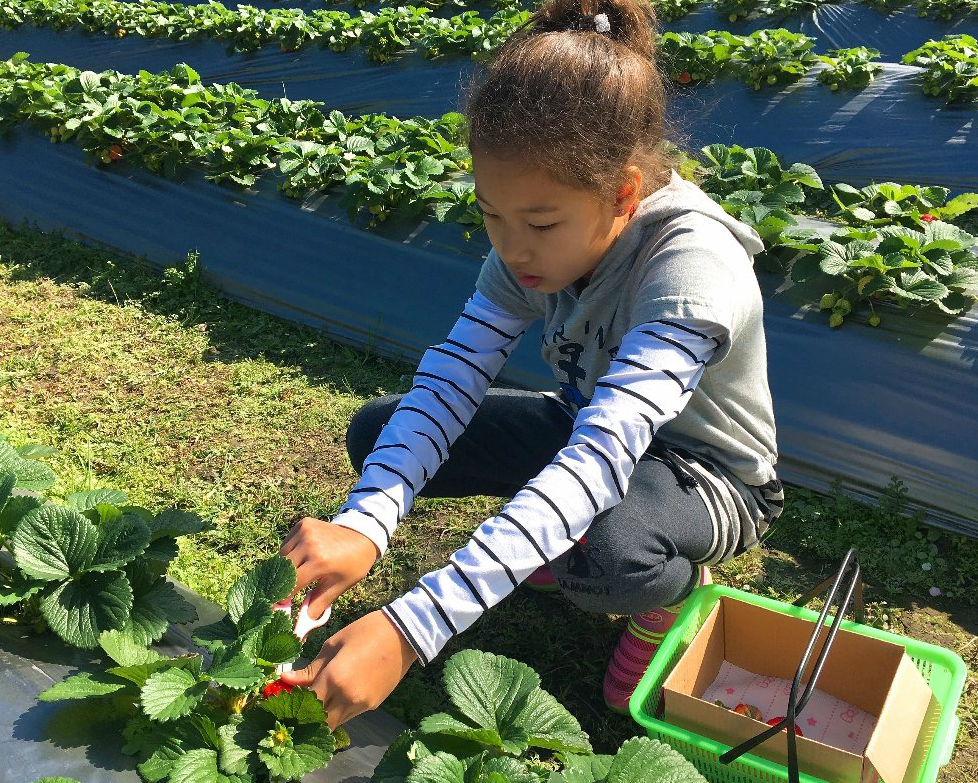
656 458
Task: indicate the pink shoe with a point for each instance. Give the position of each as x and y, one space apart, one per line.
542 580
637 645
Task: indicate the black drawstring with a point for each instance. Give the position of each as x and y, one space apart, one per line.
685 479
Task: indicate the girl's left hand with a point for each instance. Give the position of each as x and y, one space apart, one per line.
357 668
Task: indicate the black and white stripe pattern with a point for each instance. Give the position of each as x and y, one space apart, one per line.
648 384
451 381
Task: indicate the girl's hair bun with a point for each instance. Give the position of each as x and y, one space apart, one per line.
633 23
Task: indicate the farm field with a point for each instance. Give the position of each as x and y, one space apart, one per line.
215 220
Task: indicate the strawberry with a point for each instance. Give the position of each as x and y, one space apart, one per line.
836 319
685 78
827 301
775 721
275 688
749 710
927 217
115 152
874 320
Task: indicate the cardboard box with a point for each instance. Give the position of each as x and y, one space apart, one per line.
873 675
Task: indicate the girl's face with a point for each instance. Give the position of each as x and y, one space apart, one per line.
547 233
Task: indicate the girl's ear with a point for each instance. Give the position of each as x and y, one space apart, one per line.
628 194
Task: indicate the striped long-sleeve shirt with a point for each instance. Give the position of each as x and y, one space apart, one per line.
647 384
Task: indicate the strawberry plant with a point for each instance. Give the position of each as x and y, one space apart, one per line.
893 264
729 169
891 203
770 57
673 10
947 10
470 34
187 721
737 9
499 724
849 68
951 67
695 57
392 30
93 564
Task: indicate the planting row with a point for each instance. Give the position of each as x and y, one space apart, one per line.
406 168
92 570
773 57
947 10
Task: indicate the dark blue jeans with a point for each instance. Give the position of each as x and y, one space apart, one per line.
636 556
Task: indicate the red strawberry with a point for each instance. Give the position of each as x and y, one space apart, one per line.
685 78
275 688
115 152
927 217
775 721
749 710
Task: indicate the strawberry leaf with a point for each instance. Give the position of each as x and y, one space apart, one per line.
80 609
237 672
642 760
54 542
266 584
171 693
81 686
83 501
121 540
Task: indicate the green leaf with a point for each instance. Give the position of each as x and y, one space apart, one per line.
216 635
550 725
276 642
155 609
583 769
487 688
15 509
173 523
7 483
81 686
511 770
232 757
235 671
80 609
311 749
171 693
31 475
36 450
138 673
268 583
515 741
83 501
162 550
642 760
15 587
299 706
440 768
126 651
395 765
121 540
957 206
53 542
199 766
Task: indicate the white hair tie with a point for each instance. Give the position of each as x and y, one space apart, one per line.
601 23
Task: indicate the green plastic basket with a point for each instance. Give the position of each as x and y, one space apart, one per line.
944 672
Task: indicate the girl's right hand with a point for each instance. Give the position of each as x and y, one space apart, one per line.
335 556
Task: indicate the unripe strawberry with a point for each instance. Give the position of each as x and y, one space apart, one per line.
827 301
732 17
836 319
843 307
772 79
835 87
874 320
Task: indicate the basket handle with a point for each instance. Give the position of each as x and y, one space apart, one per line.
796 704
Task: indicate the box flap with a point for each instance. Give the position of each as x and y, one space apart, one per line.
903 714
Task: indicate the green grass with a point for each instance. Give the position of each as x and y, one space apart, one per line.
157 385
